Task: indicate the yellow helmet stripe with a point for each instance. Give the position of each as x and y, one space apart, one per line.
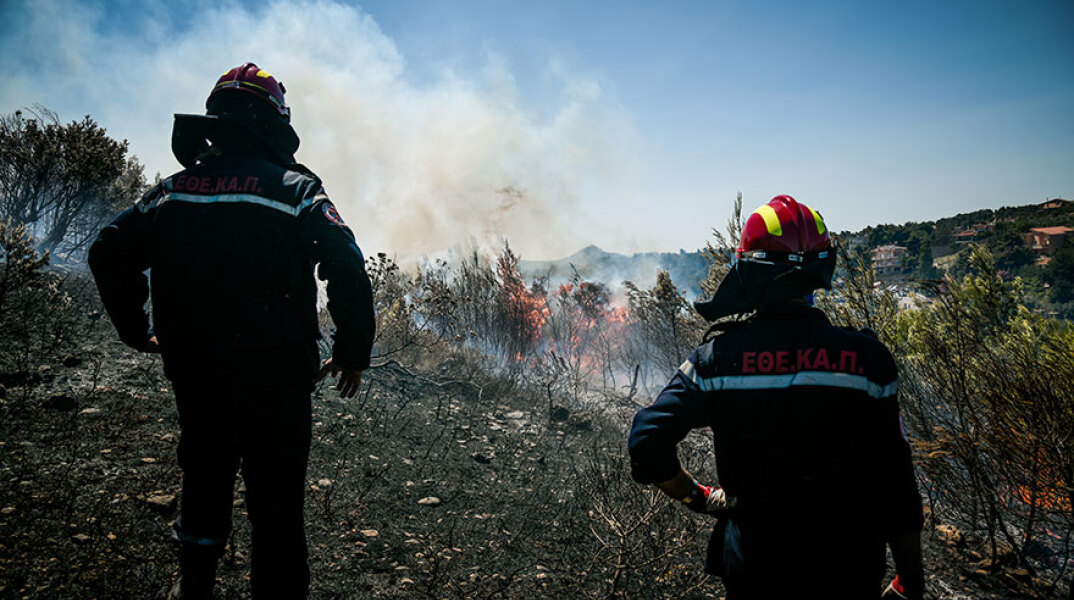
263 74
771 219
820 222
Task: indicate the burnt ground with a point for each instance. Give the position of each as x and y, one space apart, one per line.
440 481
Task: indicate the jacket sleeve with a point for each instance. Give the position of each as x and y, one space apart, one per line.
659 427
331 244
900 498
118 259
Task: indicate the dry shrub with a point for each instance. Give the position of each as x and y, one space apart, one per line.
40 307
664 328
399 332
857 298
986 388
987 391
470 303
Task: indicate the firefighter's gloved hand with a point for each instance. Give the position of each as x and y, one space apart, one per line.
708 500
896 591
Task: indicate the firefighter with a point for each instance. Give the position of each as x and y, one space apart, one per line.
232 244
810 452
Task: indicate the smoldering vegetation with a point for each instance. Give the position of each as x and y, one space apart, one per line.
485 455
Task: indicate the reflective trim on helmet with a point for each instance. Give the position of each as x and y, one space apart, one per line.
774 257
771 219
803 378
240 199
281 107
236 83
818 220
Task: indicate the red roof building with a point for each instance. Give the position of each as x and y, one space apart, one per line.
1046 240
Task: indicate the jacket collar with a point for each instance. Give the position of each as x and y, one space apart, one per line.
794 309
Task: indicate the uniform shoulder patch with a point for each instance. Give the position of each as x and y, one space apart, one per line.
332 214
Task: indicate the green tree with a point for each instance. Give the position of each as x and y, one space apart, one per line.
961 265
1060 274
63 181
986 386
925 267
35 310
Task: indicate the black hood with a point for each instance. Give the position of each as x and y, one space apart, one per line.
233 119
751 284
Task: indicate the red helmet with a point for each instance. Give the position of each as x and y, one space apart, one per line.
783 230
234 116
252 79
784 252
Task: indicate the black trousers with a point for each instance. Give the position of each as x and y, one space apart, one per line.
256 421
784 561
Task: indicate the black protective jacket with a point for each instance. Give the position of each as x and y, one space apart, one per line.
231 245
806 428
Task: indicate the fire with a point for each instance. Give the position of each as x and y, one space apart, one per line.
525 308
577 321
577 331
619 315
1049 497
1040 485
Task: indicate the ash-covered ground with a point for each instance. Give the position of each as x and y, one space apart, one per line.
444 479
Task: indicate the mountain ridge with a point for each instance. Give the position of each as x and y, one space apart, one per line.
688 268
592 262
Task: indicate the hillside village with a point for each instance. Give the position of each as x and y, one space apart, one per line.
892 260
1031 242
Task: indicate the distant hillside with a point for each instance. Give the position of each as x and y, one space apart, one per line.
927 242
1044 260
686 268
993 227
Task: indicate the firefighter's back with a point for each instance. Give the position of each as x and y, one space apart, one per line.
227 267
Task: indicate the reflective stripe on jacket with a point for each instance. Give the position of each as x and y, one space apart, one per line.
231 245
805 424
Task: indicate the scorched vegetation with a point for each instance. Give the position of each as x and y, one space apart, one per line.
484 456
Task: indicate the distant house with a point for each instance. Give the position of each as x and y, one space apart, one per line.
1054 203
887 260
1046 240
965 235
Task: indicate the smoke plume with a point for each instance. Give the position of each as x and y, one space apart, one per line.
416 165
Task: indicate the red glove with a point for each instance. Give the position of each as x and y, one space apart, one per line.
709 500
895 591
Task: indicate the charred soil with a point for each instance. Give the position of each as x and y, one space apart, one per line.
444 479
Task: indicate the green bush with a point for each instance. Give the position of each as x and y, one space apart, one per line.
988 393
36 312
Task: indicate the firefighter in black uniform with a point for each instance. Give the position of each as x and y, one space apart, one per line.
232 244
814 466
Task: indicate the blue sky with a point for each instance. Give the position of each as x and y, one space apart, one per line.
631 125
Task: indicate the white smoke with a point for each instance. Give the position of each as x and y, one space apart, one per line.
415 167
